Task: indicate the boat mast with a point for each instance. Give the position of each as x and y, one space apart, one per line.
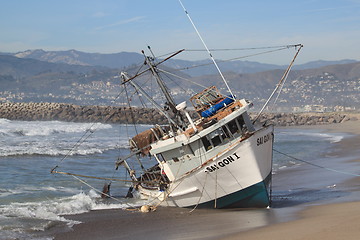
170 103
126 78
281 82
207 49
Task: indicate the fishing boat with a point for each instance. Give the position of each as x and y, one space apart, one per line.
209 154
217 159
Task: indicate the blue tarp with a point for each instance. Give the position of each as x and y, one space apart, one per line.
212 110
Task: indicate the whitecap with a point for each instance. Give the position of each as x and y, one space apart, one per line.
56 209
56 138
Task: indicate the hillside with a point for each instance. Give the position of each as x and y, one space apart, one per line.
125 59
20 68
26 79
331 86
73 57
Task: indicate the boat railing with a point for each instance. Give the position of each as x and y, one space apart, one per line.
153 179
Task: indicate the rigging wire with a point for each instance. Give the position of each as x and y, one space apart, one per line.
82 139
233 59
316 165
96 190
240 49
182 78
278 48
212 58
191 90
280 84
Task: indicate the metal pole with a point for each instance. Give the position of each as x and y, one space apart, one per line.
207 49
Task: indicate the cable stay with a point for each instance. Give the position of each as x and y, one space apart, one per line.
154 65
280 84
316 165
238 58
243 49
207 49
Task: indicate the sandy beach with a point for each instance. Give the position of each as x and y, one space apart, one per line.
329 221
329 207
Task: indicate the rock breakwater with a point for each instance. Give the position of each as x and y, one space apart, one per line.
107 114
297 119
76 113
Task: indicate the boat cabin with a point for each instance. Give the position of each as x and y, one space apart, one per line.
222 126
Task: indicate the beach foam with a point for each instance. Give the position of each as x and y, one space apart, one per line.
56 138
331 137
40 215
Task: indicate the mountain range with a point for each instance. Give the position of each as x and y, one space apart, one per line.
123 60
90 78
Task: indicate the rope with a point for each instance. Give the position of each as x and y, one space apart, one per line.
82 181
233 59
216 185
316 165
177 84
241 49
102 178
83 138
169 192
280 84
207 49
96 190
202 193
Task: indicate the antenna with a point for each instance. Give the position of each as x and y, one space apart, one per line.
207 49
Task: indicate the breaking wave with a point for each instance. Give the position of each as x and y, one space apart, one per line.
58 138
41 215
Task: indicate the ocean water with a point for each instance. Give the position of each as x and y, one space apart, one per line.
32 200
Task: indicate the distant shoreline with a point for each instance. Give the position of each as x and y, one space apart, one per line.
116 114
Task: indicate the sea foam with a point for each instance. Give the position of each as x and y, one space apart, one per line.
57 138
57 209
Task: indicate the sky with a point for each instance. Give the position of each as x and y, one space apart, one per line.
328 29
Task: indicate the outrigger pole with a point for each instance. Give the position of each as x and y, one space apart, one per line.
281 82
126 78
179 124
207 49
170 101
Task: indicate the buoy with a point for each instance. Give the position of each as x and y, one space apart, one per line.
147 208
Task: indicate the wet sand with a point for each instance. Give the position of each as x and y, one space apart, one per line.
308 203
340 220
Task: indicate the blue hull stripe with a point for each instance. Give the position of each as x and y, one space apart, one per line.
255 196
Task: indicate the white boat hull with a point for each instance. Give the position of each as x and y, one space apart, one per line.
240 177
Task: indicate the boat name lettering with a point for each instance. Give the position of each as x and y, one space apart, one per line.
222 163
263 139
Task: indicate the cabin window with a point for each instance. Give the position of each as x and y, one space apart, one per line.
206 143
226 133
171 155
233 126
241 122
160 157
215 138
248 125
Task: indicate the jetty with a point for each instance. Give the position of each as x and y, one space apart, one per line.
45 111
